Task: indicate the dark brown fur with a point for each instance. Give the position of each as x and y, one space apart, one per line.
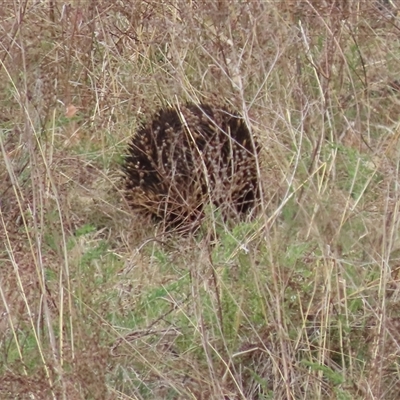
190 156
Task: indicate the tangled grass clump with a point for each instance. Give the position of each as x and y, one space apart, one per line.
190 156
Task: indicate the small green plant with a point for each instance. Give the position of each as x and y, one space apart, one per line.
297 301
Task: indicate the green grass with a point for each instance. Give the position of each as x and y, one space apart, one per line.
300 302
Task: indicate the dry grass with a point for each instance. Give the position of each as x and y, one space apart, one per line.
300 303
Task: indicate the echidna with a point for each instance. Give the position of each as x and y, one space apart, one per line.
190 156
